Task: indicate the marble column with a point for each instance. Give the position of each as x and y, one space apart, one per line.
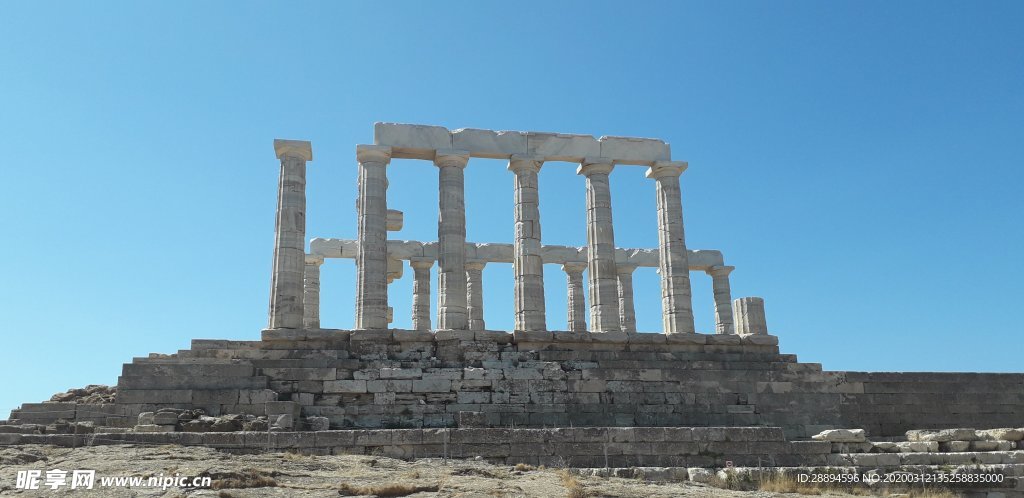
576 306
604 284
676 300
627 311
750 317
289 235
451 240
475 293
371 255
527 266
311 292
421 292
723 298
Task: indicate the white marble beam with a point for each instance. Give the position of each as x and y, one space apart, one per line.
286 287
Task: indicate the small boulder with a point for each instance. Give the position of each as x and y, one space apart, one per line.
1002 434
841 436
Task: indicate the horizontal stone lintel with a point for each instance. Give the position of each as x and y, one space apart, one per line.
518 337
412 141
699 260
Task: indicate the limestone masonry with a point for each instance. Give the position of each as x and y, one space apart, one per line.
673 398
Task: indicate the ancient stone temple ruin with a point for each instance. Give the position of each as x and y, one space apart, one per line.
674 397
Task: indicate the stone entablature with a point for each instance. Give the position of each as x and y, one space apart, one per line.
411 141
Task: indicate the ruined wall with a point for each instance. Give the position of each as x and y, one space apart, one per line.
416 379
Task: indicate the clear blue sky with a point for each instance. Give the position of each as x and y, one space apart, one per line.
860 163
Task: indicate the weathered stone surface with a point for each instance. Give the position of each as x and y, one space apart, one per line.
412 141
1002 434
631 150
942 436
842 436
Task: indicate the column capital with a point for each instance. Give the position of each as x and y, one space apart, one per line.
574 267
591 165
314 259
666 169
720 271
475 264
451 158
421 262
373 154
299 149
625 267
522 163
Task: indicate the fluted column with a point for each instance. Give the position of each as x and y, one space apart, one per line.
451 239
723 298
289 235
604 284
527 267
371 255
676 300
421 292
750 318
576 306
311 292
627 311
475 293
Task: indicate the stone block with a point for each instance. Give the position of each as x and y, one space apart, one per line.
289 408
147 418
165 418
413 336
841 436
373 336
431 386
1002 434
345 386
401 373
688 339
647 338
321 374
489 143
722 340
389 386
954 446
562 146
412 141
151 396
496 336
335 438
521 336
154 428
630 150
759 339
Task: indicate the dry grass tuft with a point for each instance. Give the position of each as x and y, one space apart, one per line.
572 485
524 467
932 493
246 478
782 483
385 490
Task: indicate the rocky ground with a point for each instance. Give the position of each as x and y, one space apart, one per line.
287 475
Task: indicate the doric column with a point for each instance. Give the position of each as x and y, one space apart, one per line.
527 267
289 235
604 286
451 239
475 293
676 301
421 292
627 312
723 298
576 308
311 292
371 255
750 317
